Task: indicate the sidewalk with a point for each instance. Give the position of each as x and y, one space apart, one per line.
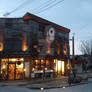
49 83
59 82
38 83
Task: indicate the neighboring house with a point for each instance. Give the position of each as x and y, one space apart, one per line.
82 63
32 47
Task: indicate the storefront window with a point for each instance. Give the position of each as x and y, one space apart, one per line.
37 64
12 68
43 65
60 67
4 70
48 64
19 71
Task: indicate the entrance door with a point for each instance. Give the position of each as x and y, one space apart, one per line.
11 72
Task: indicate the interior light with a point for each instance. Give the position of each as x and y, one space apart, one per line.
22 59
24 69
59 66
63 87
3 67
46 69
42 88
63 66
1 47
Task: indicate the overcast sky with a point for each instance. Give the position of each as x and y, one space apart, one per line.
73 14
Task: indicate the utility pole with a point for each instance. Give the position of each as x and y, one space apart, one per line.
73 51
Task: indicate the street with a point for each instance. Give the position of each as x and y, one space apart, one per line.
77 88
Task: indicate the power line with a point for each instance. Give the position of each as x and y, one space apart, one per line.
45 4
25 3
19 7
50 6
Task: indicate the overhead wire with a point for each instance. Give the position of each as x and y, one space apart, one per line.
19 7
44 4
49 6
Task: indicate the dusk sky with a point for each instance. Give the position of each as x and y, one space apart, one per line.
73 14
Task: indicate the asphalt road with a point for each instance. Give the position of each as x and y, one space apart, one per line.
77 88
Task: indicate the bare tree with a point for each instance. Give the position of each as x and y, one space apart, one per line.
86 47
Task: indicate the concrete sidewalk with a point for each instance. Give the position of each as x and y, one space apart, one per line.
38 83
60 81
49 83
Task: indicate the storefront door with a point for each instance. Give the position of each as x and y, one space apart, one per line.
12 68
11 72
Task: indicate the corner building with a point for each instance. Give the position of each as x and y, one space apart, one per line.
32 47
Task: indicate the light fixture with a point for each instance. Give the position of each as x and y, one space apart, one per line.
21 59
51 70
3 67
41 71
24 69
63 87
46 69
33 69
1 46
13 59
42 88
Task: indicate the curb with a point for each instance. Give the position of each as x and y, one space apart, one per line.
46 88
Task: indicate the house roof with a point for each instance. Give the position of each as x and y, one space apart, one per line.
29 16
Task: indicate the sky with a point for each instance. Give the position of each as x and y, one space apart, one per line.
73 14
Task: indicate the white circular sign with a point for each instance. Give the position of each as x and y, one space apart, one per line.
51 31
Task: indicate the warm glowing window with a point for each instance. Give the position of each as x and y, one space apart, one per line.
12 59
63 66
1 47
24 42
60 66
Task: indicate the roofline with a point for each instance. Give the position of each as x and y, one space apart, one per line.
12 18
39 19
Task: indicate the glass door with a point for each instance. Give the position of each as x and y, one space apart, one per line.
19 70
11 71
